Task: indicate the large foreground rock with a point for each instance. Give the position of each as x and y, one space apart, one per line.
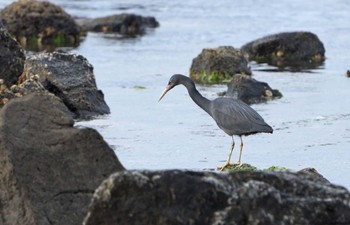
48 168
71 78
38 23
293 49
217 65
249 90
203 198
123 24
11 58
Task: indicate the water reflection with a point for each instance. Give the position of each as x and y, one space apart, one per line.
296 67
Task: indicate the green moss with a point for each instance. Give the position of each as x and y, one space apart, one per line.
34 43
60 39
137 87
247 167
242 167
276 168
277 93
211 78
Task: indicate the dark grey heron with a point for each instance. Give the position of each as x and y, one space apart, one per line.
233 116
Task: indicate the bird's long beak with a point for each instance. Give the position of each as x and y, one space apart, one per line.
168 88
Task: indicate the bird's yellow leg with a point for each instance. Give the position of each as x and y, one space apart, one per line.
221 168
240 152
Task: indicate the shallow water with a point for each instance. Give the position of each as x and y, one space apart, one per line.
311 122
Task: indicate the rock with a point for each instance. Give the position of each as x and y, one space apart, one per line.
217 65
185 197
69 77
313 174
48 168
239 167
250 91
293 49
124 24
30 85
40 24
149 21
12 58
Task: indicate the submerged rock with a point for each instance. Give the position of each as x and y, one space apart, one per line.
12 58
38 24
185 197
124 24
218 65
69 77
289 49
250 91
49 168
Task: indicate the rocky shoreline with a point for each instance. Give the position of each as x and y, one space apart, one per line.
52 172
49 168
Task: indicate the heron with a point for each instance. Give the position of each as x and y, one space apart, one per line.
231 115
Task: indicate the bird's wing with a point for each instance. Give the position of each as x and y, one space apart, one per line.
236 117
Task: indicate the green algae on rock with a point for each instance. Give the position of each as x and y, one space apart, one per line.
218 65
39 25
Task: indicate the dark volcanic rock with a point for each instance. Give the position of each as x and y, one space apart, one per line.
124 24
293 49
36 23
71 78
11 58
313 174
237 198
217 65
249 90
48 168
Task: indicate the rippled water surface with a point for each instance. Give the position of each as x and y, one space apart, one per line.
311 121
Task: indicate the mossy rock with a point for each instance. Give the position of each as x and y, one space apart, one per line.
242 167
218 65
211 78
49 44
37 24
276 168
248 167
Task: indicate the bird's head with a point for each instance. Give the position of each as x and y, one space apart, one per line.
173 81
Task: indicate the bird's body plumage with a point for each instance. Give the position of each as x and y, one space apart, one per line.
237 118
233 116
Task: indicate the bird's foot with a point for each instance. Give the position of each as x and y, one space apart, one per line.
227 164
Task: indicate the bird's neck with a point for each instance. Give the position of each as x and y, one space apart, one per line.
201 101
